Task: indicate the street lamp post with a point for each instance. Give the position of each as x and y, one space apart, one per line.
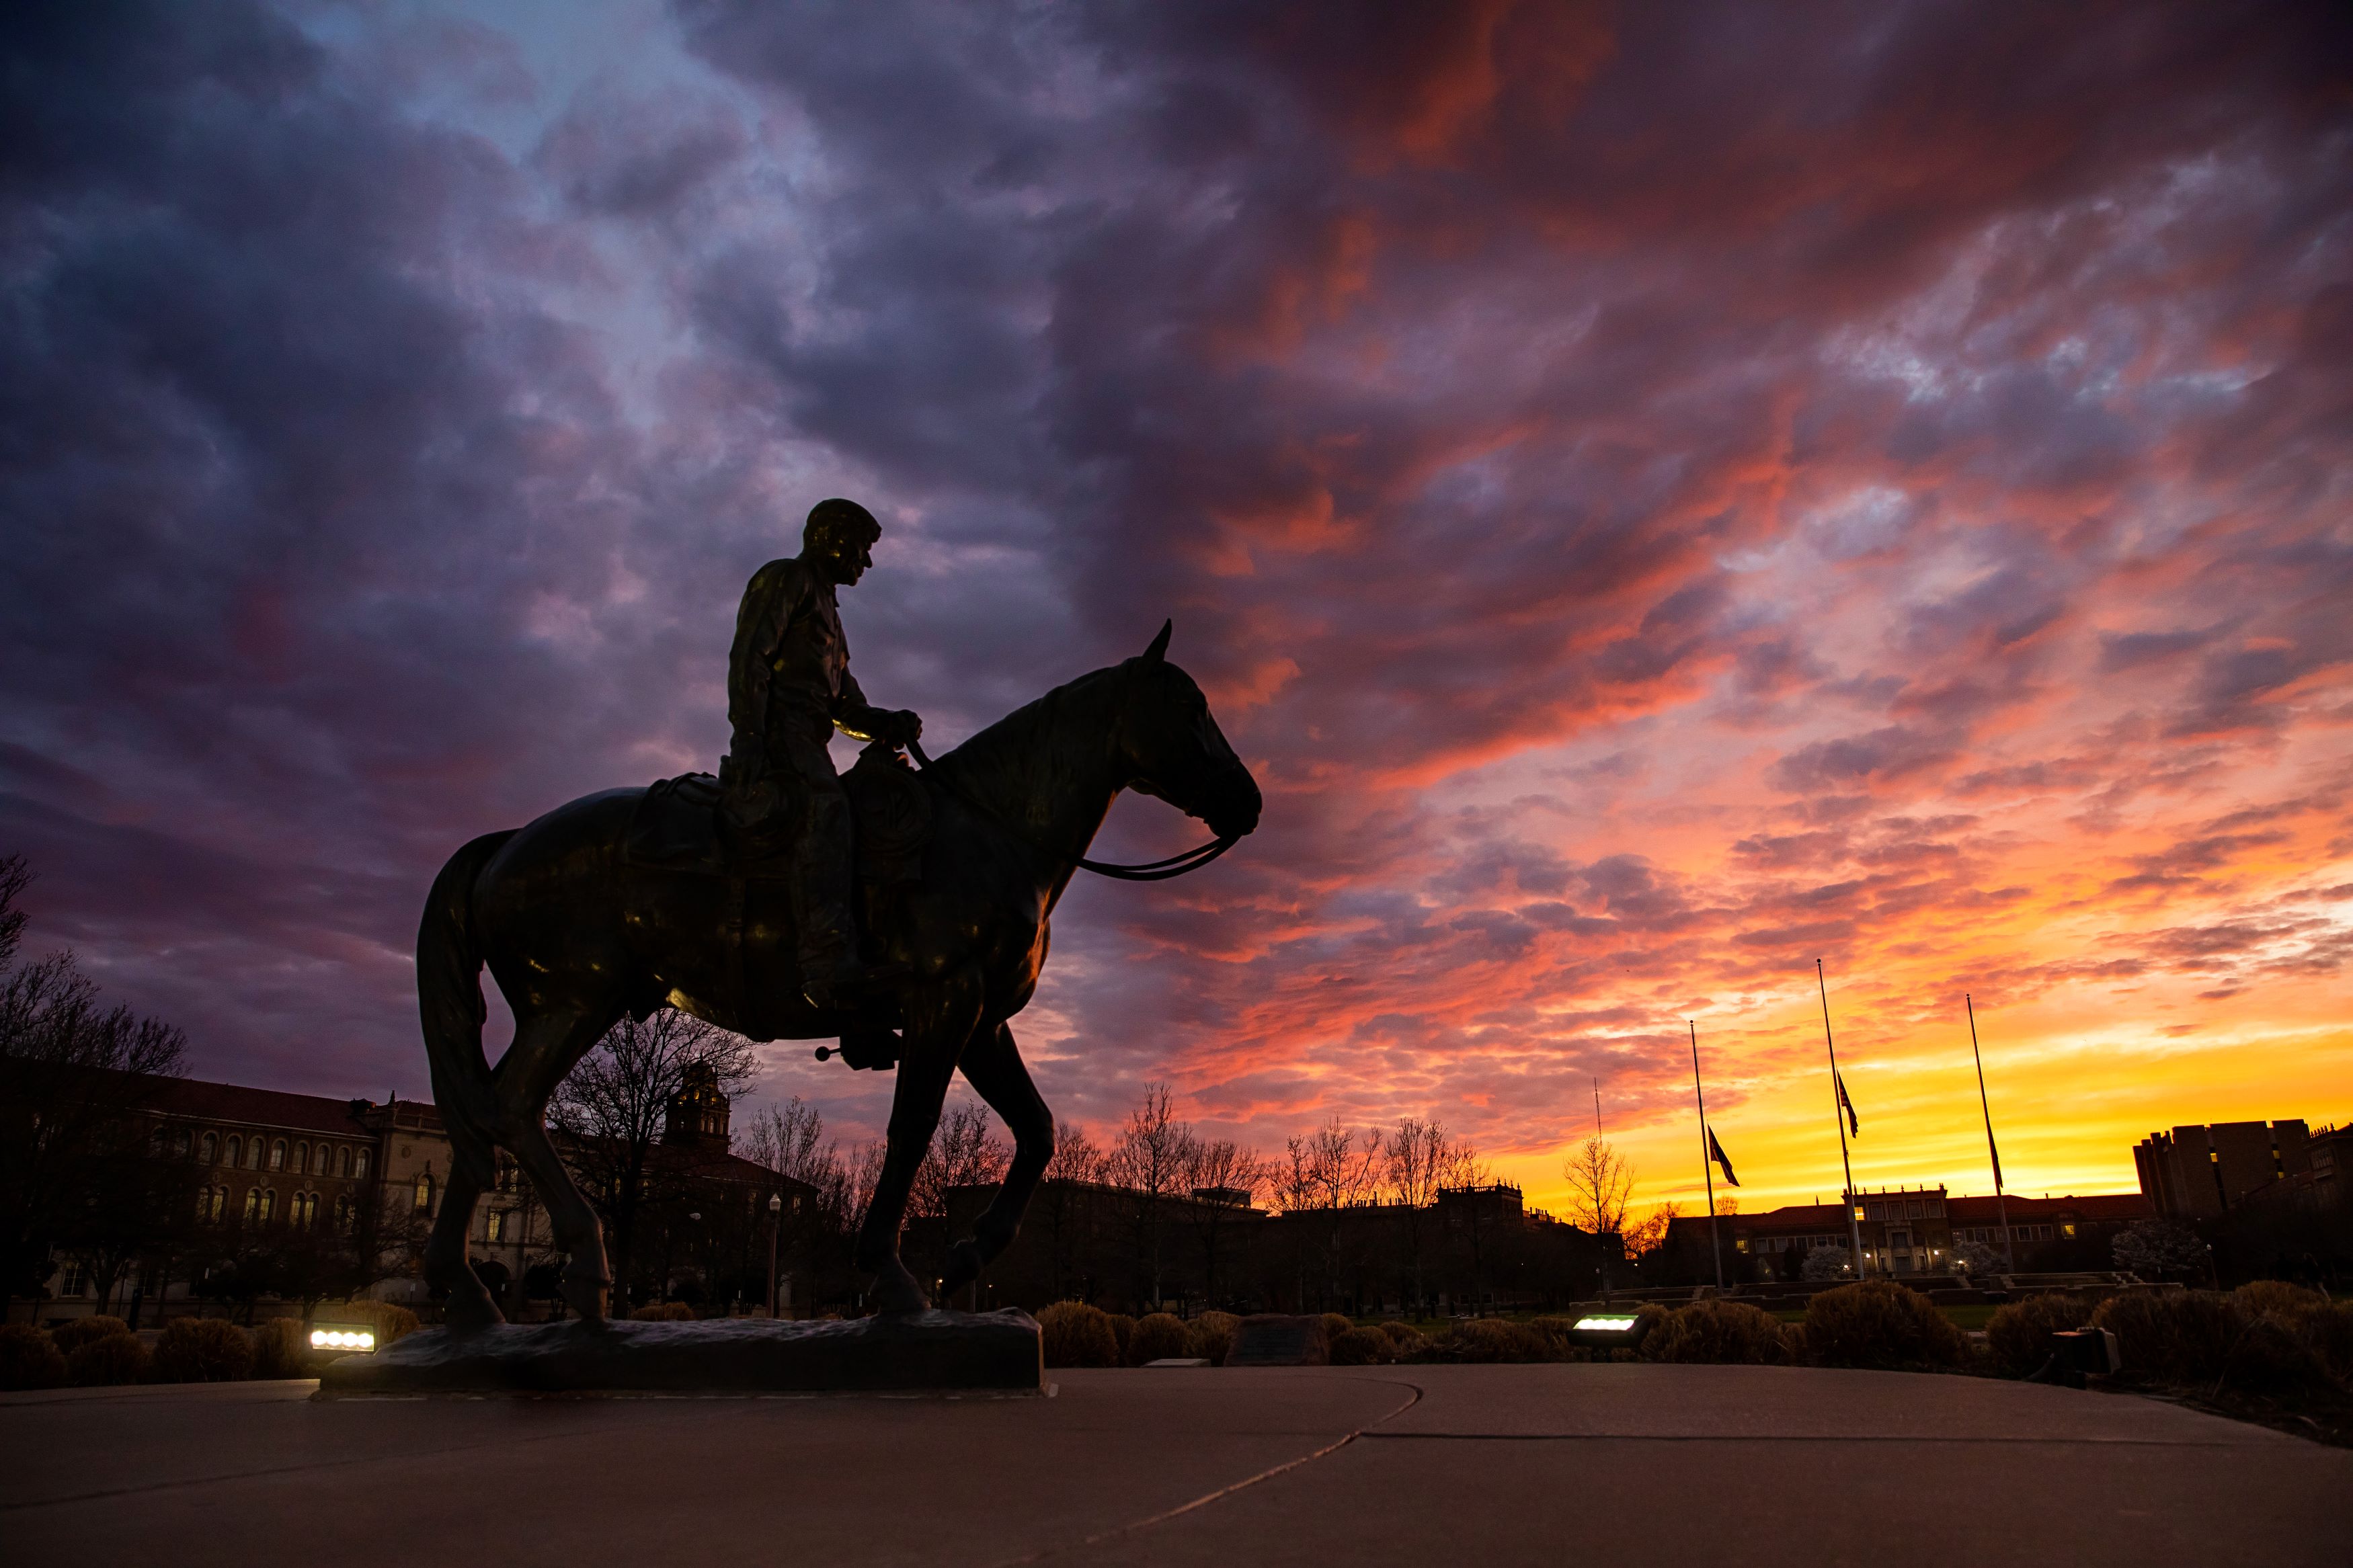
775 1213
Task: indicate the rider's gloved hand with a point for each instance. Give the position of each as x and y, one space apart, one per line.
904 727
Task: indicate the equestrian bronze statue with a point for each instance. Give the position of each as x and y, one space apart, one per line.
683 895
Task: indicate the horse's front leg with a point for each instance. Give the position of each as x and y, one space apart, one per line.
992 1065
941 1015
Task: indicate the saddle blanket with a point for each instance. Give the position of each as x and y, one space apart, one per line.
677 824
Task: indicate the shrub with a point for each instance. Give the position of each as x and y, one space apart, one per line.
1879 1323
1336 1324
2328 1329
1362 1347
281 1348
2270 1357
2277 1297
1075 1334
1496 1340
2018 1336
101 1363
1724 1332
30 1357
1158 1337
71 1337
390 1321
1123 1330
1406 1341
663 1313
2178 1335
202 1350
1211 1335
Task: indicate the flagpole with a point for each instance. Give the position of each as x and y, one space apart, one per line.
2000 1203
1706 1171
1838 1109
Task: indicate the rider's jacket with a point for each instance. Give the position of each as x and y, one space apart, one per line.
788 675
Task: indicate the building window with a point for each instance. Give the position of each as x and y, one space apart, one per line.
252 1205
277 1155
182 1141
494 1228
72 1284
344 1213
301 1158
425 1192
344 1160
358 1165
235 1152
208 1147
269 1205
2068 1231
253 1155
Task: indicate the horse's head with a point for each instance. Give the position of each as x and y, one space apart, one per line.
1171 747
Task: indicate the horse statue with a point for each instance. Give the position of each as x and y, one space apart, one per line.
578 933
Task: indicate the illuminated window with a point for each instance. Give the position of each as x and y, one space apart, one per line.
269 1205
494 1228
252 1205
423 1193
1859 1214
208 1147
358 1165
2068 1231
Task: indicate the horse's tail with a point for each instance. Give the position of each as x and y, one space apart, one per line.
449 1001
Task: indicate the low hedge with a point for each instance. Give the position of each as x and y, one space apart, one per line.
1123 1330
1481 1340
1158 1336
30 1357
1211 1335
1720 1332
281 1348
1361 1347
2018 1336
1881 1324
202 1350
71 1337
1072 1334
391 1320
106 1361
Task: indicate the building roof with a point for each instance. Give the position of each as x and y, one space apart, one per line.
228 1102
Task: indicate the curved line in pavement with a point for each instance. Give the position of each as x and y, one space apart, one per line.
1115 1532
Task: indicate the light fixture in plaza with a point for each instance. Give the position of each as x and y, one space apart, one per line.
342 1337
1613 1328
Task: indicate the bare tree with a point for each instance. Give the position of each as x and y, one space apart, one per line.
1225 1178
614 1107
1148 1163
1415 1160
1061 1208
1599 1183
76 1081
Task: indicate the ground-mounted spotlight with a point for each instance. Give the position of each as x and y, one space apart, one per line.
1610 1330
343 1338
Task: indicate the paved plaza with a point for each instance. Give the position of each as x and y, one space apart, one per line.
1478 1466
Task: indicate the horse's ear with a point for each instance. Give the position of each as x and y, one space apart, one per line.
1159 649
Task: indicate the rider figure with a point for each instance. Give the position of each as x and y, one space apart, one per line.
788 689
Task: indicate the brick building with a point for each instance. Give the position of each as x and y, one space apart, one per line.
1912 1231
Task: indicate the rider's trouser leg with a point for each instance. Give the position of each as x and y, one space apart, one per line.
821 861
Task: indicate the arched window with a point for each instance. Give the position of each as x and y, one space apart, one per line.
344 1160
252 1205
277 1155
208 1147
269 1205
359 1166
425 1192
301 1158
494 1228
253 1155
182 1142
235 1152
220 1203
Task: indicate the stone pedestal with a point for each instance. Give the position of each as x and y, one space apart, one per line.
1271 1339
995 1352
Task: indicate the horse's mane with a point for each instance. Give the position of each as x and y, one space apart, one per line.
995 763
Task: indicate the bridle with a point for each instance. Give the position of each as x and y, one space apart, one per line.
1192 860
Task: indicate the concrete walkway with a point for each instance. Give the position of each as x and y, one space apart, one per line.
1488 1465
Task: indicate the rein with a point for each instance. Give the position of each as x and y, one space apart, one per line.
1192 860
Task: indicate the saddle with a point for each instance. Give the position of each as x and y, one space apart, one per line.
677 825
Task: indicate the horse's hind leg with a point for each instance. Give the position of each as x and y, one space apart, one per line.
545 1049
470 1305
992 1065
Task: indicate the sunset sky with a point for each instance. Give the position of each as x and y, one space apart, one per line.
1657 494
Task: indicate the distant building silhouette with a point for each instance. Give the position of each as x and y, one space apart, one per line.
2195 1172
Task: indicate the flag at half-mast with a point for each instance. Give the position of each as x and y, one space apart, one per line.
1853 1123
1715 1153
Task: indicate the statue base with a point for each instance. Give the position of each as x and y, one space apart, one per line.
915 1353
